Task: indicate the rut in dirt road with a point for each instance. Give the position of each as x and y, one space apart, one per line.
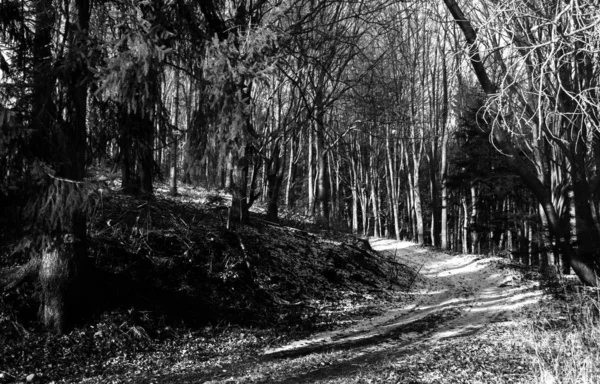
453 296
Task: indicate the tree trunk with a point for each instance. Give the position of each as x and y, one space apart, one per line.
435 208
473 221
420 227
392 176
274 181
354 209
310 172
146 154
354 191
509 231
63 254
60 279
465 227
239 210
375 207
242 197
333 187
175 139
547 258
444 159
43 108
323 188
291 175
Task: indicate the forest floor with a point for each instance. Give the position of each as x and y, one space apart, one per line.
176 297
456 328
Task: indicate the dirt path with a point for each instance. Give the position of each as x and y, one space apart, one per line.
454 299
463 293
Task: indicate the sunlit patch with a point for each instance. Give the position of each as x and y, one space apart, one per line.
456 296
510 303
387 244
431 293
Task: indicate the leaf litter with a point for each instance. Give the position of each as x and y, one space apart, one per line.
179 298
171 289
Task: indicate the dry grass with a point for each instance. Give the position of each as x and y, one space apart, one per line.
564 338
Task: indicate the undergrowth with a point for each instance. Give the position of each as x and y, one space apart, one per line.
170 286
563 336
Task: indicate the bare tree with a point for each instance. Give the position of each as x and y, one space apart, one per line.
543 106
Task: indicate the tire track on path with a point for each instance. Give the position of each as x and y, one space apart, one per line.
455 296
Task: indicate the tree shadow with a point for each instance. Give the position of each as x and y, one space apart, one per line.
407 333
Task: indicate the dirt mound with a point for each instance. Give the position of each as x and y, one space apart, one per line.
174 259
179 259
167 278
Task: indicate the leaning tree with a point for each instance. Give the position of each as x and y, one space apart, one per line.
543 109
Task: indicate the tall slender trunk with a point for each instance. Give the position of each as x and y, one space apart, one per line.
473 224
375 207
547 257
323 187
310 172
457 232
509 231
333 187
364 199
354 191
146 152
410 207
444 158
415 193
291 175
174 139
354 209
433 187
274 180
465 227
420 228
392 176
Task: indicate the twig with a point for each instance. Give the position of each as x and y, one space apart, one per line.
8 374
415 277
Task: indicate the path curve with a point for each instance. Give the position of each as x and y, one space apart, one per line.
456 295
453 299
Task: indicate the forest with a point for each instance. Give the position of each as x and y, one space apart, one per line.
471 127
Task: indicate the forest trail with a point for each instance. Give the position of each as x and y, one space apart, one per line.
456 295
454 298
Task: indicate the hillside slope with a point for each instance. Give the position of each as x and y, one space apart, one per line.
165 275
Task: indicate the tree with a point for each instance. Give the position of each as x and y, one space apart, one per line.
240 54
54 162
324 48
558 121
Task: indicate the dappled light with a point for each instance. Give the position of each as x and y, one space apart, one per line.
456 296
288 191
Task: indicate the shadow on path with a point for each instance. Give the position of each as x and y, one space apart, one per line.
457 297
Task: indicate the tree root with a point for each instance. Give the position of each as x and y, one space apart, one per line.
12 278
